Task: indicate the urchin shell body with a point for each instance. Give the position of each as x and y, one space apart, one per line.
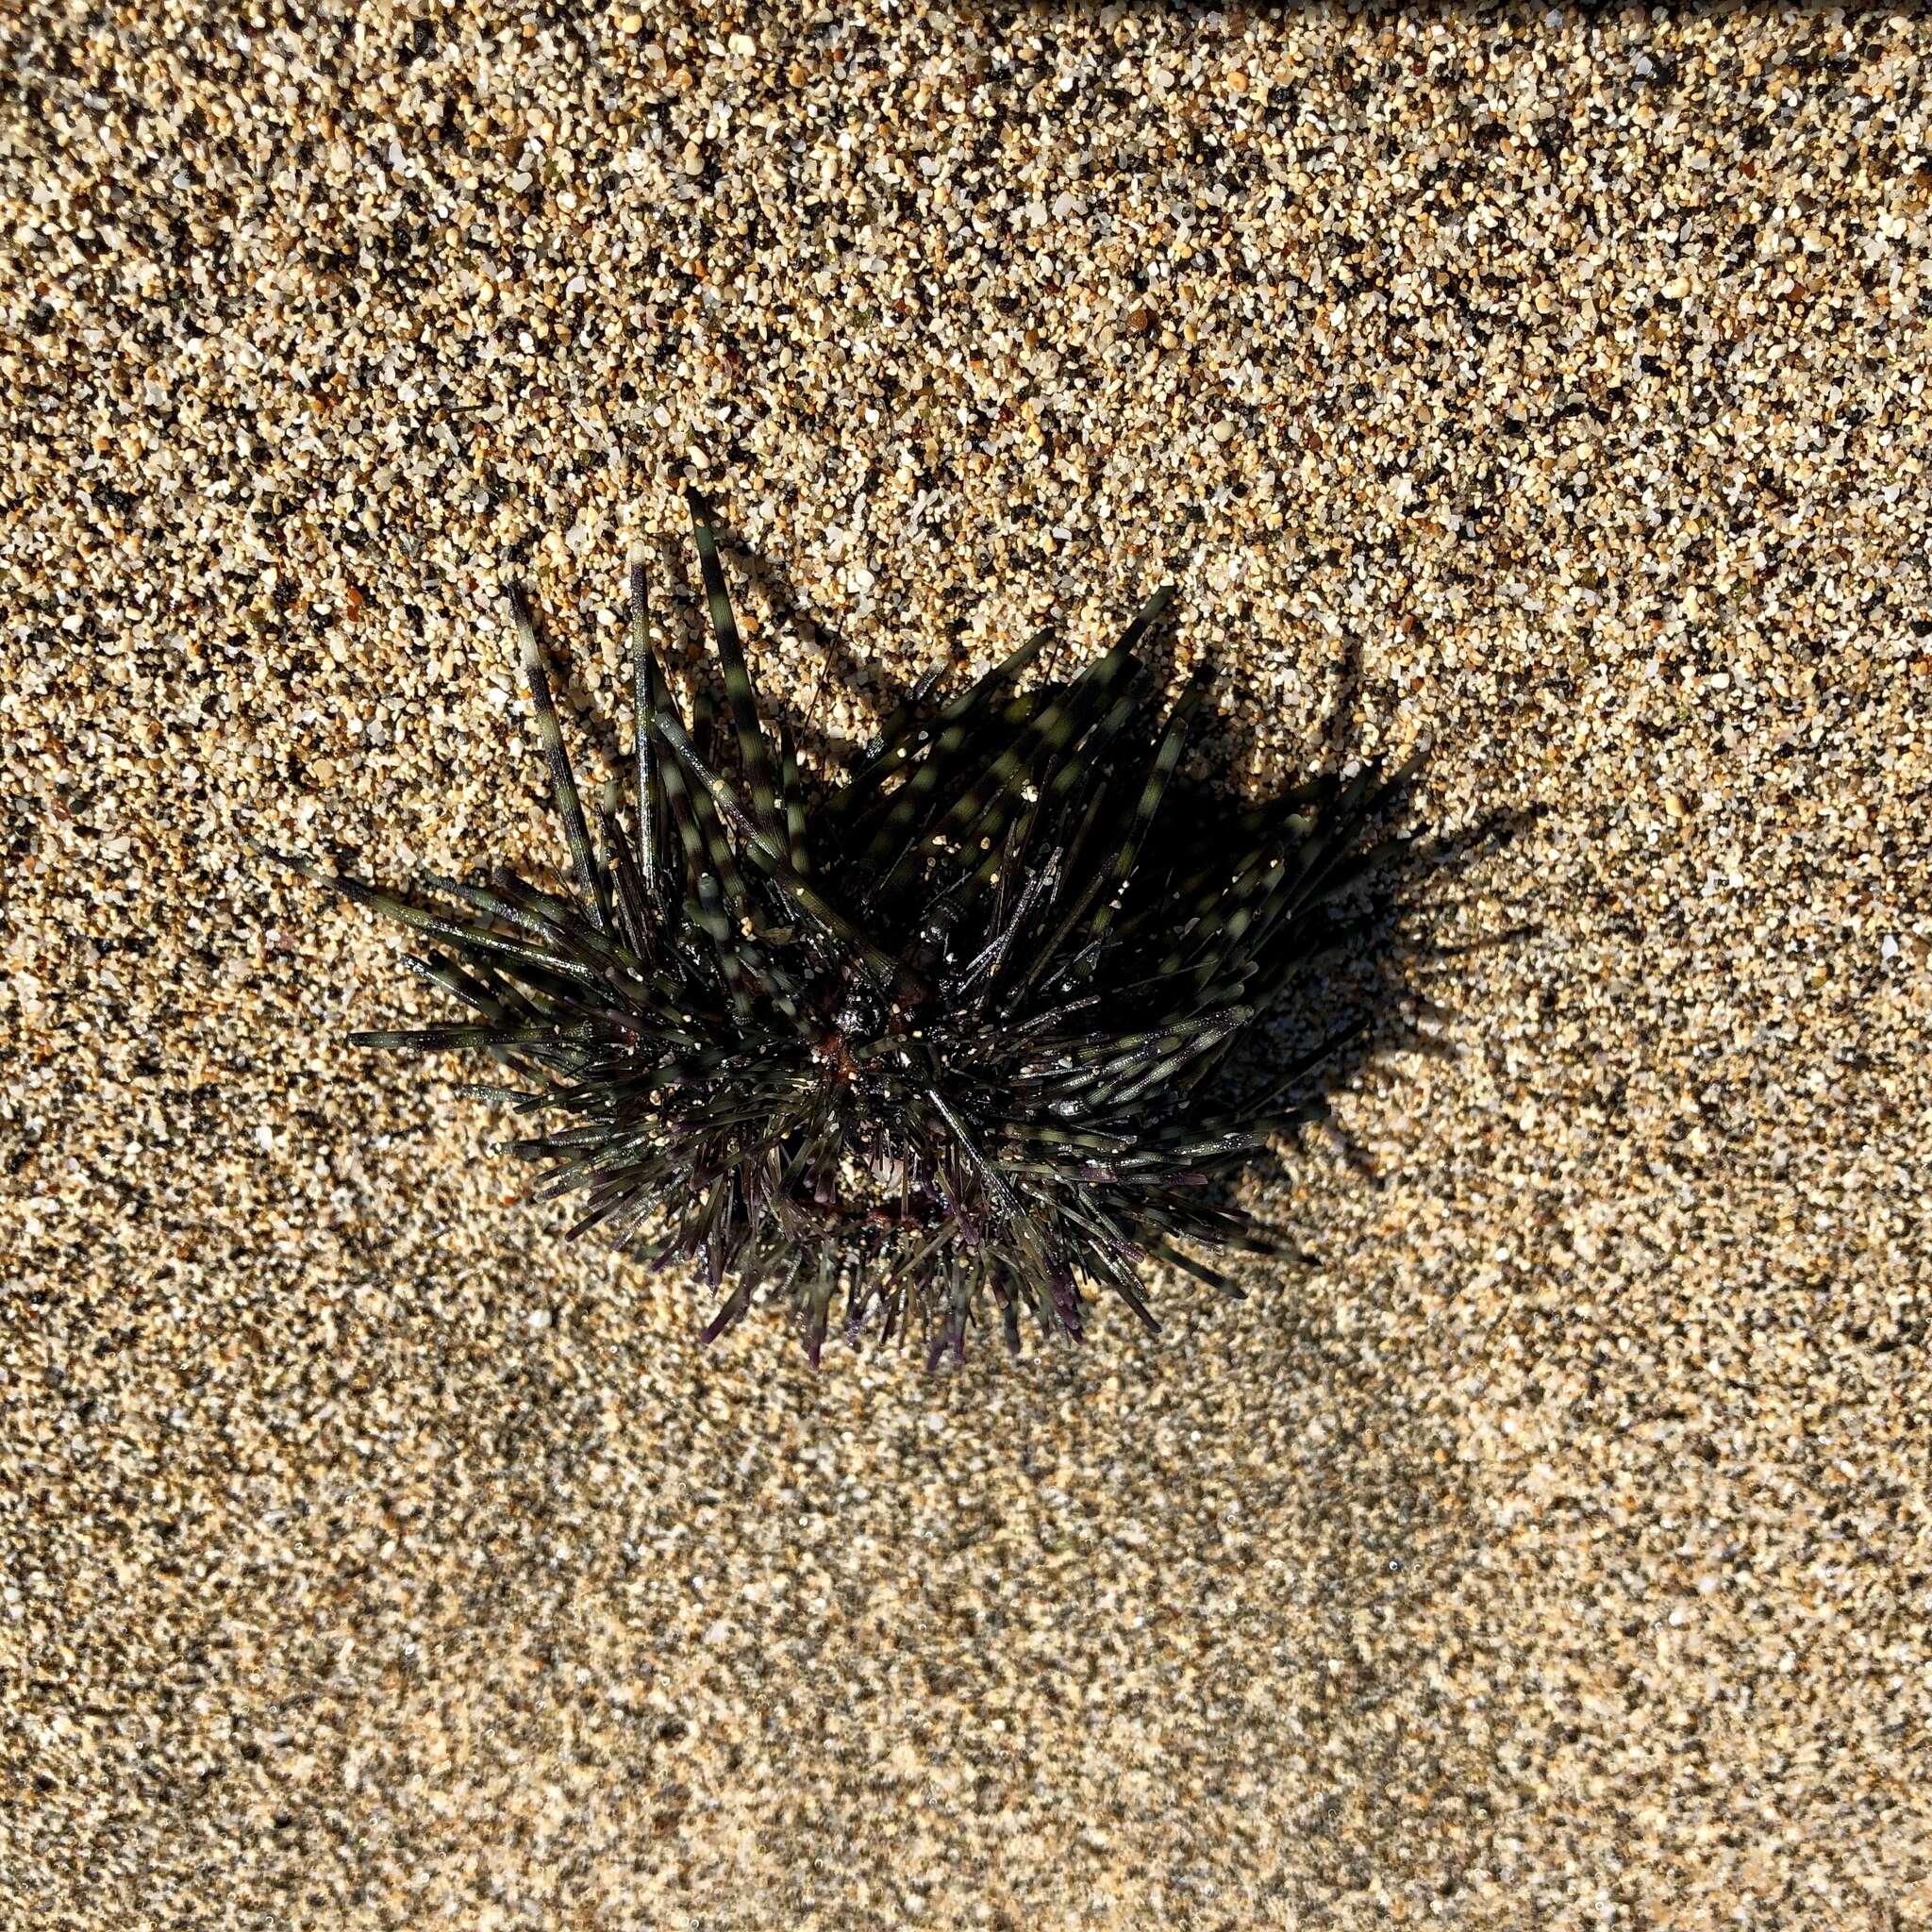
939 1044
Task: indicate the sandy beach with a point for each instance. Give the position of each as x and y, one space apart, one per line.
1551 1546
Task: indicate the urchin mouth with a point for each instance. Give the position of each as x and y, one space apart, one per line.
833 1053
883 1191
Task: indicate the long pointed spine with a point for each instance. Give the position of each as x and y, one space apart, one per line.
647 696
754 755
562 780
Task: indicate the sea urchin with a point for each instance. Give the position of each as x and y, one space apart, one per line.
955 1036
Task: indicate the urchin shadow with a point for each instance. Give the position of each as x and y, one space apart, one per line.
1360 998
678 605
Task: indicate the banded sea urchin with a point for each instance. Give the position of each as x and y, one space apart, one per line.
943 1041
